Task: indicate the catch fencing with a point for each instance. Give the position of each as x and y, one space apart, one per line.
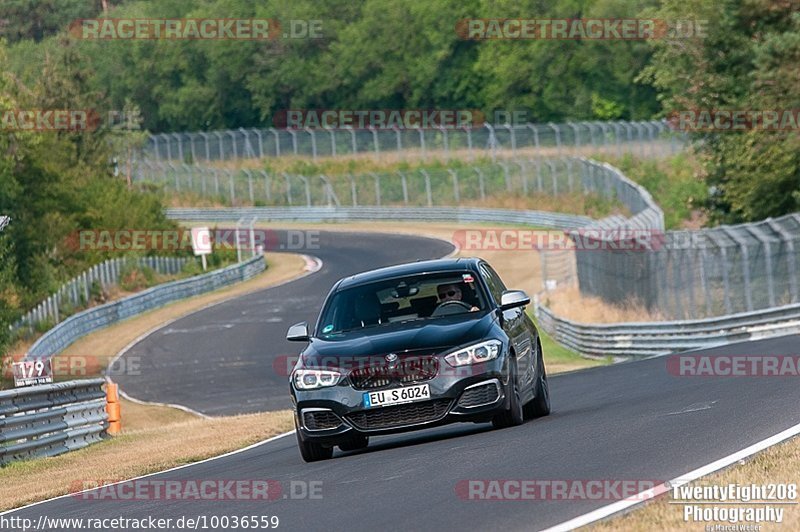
83 323
694 274
504 182
644 138
51 419
77 292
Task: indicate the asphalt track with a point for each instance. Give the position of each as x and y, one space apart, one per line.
230 358
630 421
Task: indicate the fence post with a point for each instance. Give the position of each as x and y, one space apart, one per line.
558 137
277 142
208 148
404 183
288 188
765 243
249 175
267 191
428 187
377 189
456 194
313 142
260 143
790 256
745 264
353 189
481 183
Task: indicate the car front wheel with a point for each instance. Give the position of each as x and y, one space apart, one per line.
312 451
513 415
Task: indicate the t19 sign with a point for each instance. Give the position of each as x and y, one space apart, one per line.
33 372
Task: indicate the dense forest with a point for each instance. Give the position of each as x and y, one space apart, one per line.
373 54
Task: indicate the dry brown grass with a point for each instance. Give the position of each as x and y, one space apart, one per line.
568 303
779 464
136 452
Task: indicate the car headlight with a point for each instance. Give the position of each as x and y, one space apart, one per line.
475 354
311 379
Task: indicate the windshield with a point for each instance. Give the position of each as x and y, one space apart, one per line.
414 297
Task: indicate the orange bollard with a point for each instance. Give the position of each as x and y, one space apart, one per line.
112 408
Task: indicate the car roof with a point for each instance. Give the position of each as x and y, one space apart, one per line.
411 268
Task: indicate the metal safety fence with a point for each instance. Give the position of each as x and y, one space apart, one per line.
78 325
659 338
693 274
644 138
51 419
464 185
77 292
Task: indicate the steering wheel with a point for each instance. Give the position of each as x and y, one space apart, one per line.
451 307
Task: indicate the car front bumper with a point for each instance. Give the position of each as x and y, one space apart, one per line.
470 393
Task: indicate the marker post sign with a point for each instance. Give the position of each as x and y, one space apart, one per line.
201 243
33 372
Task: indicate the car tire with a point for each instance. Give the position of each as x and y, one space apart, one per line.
514 415
354 443
539 406
312 451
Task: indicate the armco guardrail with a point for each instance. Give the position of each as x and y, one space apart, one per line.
83 323
51 419
660 338
77 291
340 214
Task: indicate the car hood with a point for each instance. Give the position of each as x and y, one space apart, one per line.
424 335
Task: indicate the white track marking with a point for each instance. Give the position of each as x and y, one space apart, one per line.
614 508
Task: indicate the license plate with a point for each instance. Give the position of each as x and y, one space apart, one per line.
407 394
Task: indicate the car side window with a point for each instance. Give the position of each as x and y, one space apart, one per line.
493 281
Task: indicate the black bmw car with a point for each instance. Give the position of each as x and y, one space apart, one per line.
414 346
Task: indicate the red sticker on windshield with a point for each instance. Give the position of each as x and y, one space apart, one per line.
468 278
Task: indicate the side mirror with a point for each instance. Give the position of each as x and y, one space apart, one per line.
298 332
513 299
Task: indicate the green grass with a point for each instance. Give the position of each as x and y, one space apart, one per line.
676 183
557 354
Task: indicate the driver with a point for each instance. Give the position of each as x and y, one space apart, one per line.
450 292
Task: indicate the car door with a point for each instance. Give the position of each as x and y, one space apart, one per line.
515 327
